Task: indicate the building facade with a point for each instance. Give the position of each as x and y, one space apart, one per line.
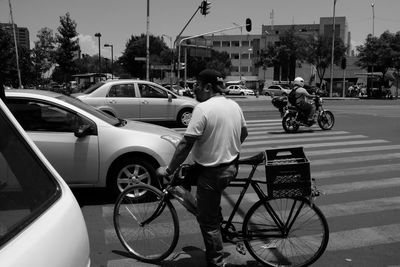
21 33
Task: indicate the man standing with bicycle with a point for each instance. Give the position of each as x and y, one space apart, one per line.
214 135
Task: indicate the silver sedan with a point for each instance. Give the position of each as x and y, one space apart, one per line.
88 147
139 100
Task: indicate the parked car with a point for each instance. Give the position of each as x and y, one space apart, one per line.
239 90
41 223
276 90
139 100
88 147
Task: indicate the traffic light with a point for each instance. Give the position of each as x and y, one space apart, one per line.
204 7
248 25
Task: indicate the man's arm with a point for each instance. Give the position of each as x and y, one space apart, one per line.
243 134
182 151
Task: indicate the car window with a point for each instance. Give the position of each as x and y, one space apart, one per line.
93 87
40 116
151 91
27 188
122 90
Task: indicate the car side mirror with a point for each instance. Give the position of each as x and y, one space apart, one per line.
169 98
82 130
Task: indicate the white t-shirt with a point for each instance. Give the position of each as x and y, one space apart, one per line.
217 123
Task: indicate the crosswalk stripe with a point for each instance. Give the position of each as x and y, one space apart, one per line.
354 159
356 171
352 150
327 144
261 135
301 140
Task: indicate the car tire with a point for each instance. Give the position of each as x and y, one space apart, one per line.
137 169
184 117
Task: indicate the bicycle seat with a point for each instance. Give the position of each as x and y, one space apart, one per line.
253 160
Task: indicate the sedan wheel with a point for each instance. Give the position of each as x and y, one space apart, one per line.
128 172
184 117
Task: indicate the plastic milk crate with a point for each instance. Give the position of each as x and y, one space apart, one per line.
288 172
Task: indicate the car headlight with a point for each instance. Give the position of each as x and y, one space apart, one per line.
172 139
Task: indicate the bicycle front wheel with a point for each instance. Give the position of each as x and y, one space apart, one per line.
154 240
285 232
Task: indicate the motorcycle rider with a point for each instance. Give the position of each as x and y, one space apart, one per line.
301 99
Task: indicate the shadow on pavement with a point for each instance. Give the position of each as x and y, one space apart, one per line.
92 196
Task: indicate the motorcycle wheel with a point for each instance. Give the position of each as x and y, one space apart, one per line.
326 120
289 123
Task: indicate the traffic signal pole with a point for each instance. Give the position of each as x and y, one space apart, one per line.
248 22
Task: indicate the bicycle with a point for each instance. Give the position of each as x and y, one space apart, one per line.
283 228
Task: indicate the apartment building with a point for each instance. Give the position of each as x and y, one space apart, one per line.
21 33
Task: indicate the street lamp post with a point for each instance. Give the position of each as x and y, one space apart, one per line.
112 59
373 19
98 35
333 49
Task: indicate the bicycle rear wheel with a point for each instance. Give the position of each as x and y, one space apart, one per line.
285 232
155 240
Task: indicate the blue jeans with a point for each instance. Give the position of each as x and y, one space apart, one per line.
210 184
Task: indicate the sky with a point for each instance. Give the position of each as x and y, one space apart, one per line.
118 20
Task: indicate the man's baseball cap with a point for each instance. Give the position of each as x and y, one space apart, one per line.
213 77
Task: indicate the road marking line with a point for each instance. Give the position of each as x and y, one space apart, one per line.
317 145
263 135
300 140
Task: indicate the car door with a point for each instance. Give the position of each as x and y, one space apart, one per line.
52 129
123 100
155 103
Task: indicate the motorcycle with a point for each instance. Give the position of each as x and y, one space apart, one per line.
292 118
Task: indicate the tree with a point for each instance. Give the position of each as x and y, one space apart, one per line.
319 53
136 47
395 45
43 52
283 55
377 54
68 48
8 71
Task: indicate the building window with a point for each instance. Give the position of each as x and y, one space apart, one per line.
235 69
245 43
235 43
226 44
234 56
245 68
245 56
216 43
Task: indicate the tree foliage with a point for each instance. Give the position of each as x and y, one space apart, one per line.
67 49
136 47
283 54
43 53
319 53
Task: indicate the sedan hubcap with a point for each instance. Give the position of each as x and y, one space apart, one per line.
132 174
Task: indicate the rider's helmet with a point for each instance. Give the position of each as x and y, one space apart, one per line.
298 81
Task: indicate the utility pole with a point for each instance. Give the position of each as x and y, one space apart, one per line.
333 49
16 45
148 42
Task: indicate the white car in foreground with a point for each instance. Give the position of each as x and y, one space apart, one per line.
41 223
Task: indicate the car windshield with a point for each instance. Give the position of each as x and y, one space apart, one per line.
89 109
93 88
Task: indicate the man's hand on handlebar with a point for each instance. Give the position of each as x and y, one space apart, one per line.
162 172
